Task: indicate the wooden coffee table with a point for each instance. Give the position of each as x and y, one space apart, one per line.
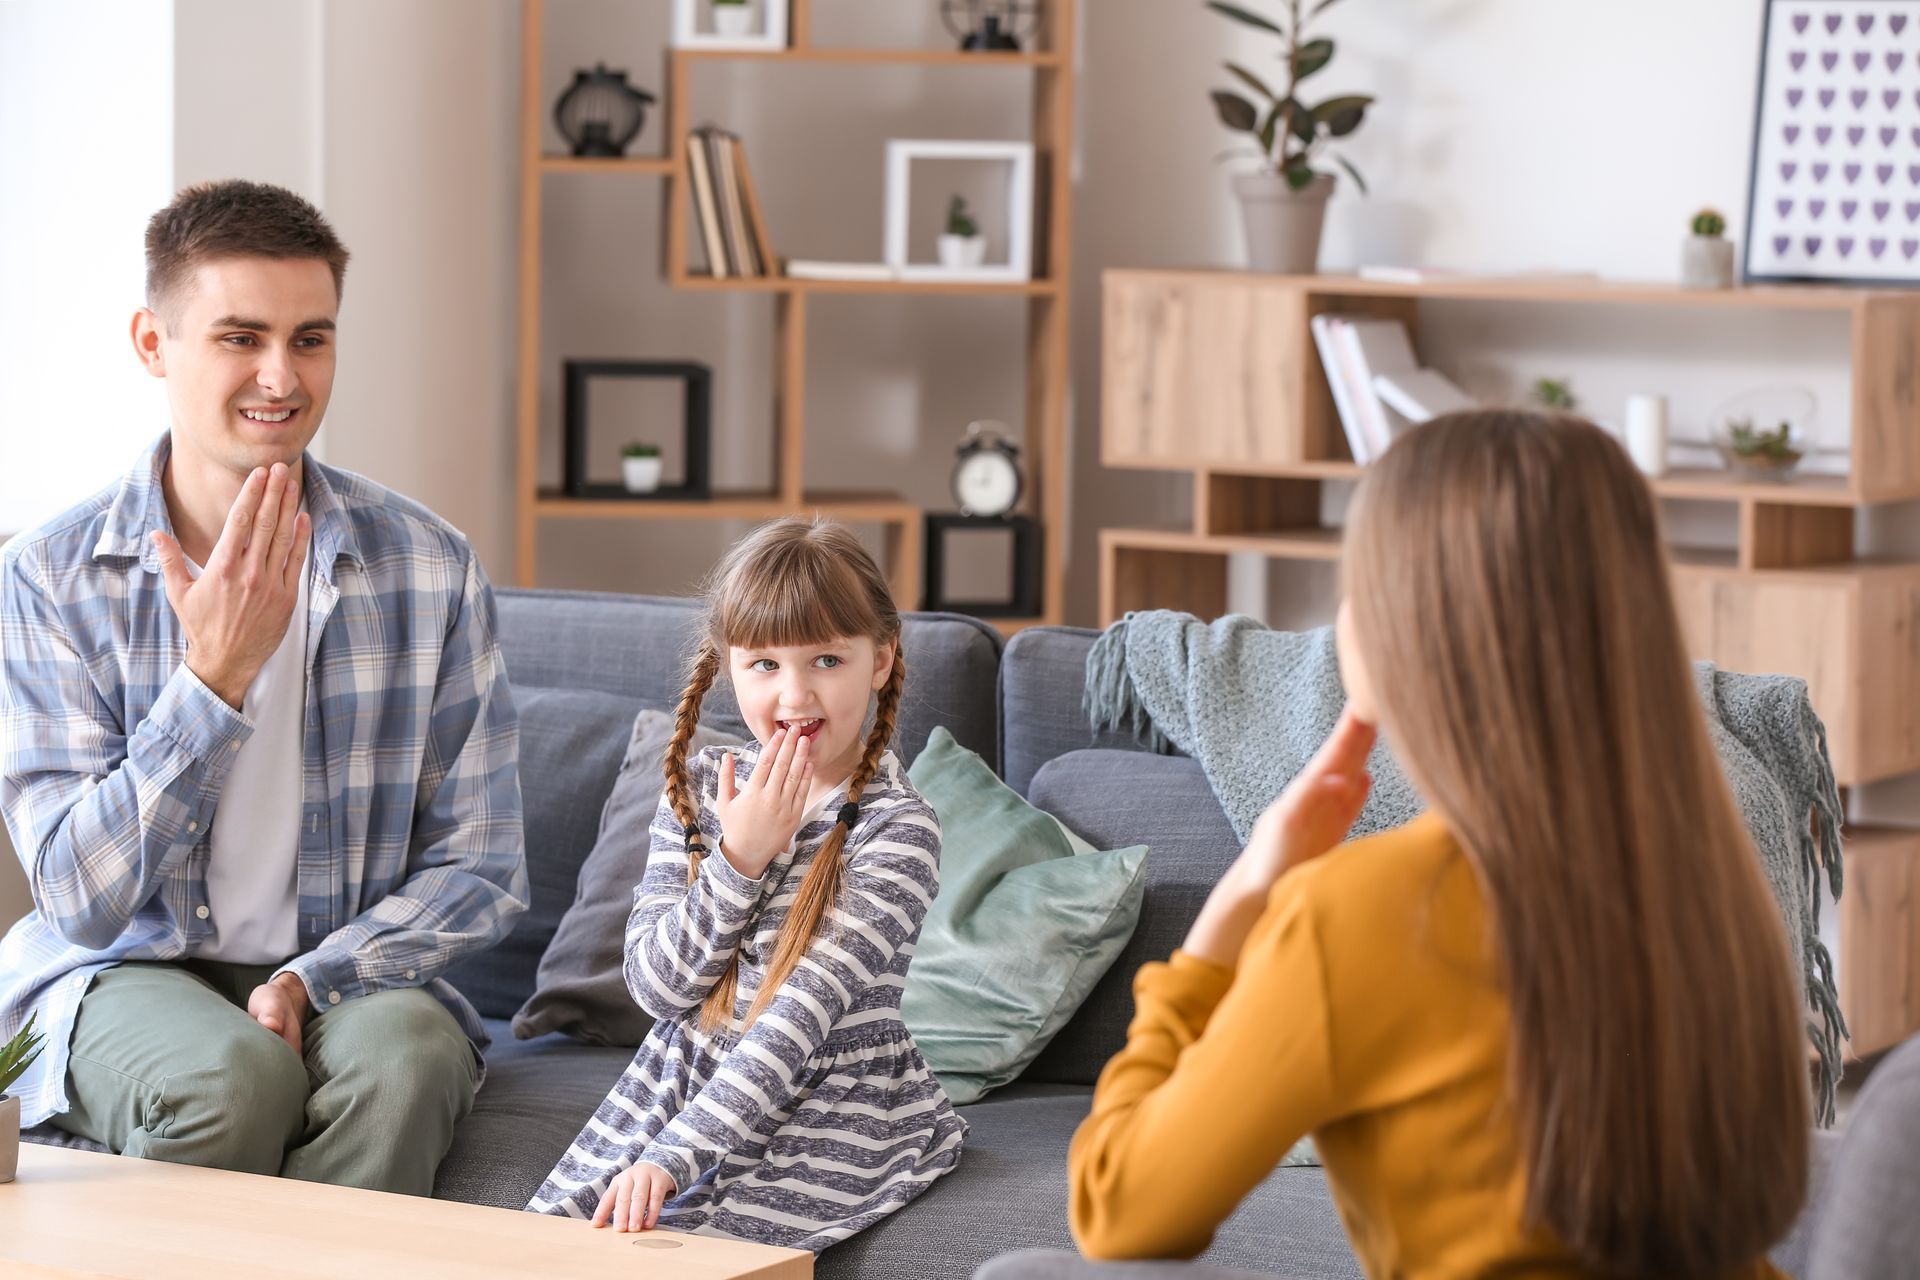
81 1213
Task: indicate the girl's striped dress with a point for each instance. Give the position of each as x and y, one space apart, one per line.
822 1118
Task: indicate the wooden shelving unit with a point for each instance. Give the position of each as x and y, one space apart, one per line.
1216 374
1046 296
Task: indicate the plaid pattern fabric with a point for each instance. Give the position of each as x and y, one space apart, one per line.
113 756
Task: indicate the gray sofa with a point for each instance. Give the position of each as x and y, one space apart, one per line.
583 665
1018 705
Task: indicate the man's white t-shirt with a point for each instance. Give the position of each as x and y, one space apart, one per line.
252 892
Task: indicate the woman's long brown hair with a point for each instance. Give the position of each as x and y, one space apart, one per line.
792 582
1511 604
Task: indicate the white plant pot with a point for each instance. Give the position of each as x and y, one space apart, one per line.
962 252
1283 225
1706 262
9 1138
640 475
734 21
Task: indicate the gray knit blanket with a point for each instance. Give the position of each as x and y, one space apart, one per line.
1252 705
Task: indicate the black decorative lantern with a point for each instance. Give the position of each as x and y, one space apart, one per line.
600 113
990 26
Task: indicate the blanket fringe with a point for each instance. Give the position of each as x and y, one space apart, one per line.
1820 851
1110 699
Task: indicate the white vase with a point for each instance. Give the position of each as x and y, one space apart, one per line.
640 475
1706 262
733 21
9 1137
1283 225
962 252
1646 433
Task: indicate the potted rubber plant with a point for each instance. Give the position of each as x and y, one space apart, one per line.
16 1055
640 467
1284 201
733 18
962 245
1706 256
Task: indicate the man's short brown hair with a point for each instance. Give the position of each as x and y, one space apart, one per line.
235 219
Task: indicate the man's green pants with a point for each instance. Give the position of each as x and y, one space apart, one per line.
166 1064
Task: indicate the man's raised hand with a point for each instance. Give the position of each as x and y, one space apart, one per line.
236 613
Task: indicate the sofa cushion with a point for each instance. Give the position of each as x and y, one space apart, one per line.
1027 919
636 647
582 985
1010 1192
536 1098
571 745
1129 797
1041 680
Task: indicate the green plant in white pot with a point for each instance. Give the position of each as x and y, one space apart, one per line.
1285 201
640 467
16 1055
732 18
961 244
1706 255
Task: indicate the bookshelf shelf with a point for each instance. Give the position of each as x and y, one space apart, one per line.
1046 297
879 57
798 284
660 166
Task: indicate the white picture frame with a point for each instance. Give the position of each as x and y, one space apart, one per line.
689 34
1833 196
1018 265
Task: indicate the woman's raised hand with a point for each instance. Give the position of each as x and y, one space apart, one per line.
1316 810
1312 815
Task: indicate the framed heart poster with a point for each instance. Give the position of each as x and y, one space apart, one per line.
1834 194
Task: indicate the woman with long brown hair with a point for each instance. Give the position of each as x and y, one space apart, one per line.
778 1098
1549 1028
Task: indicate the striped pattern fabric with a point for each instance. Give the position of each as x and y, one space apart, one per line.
822 1118
113 757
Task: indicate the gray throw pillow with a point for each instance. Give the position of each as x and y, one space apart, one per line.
581 988
571 744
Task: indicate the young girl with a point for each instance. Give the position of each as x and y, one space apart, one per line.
1551 1027
778 1098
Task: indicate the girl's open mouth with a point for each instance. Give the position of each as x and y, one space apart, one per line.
805 728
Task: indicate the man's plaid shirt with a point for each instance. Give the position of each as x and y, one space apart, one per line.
113 757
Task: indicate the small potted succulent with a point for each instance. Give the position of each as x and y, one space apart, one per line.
962 245
640 467
16 1055
1761 453
733 18
1284 202
1706 256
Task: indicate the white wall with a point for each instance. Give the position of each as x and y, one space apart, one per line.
85 120
81 173
421 180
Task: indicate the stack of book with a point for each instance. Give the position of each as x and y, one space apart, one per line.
1377 382
726 207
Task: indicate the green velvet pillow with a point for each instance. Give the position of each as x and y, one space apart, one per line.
1028 918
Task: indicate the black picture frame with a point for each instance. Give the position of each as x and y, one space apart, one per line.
1795 47
696 428
1025 597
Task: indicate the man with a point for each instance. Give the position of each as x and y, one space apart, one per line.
257 753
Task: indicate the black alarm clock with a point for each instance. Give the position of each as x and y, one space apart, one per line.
987 479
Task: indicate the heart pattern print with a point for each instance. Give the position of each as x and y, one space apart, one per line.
1836 164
